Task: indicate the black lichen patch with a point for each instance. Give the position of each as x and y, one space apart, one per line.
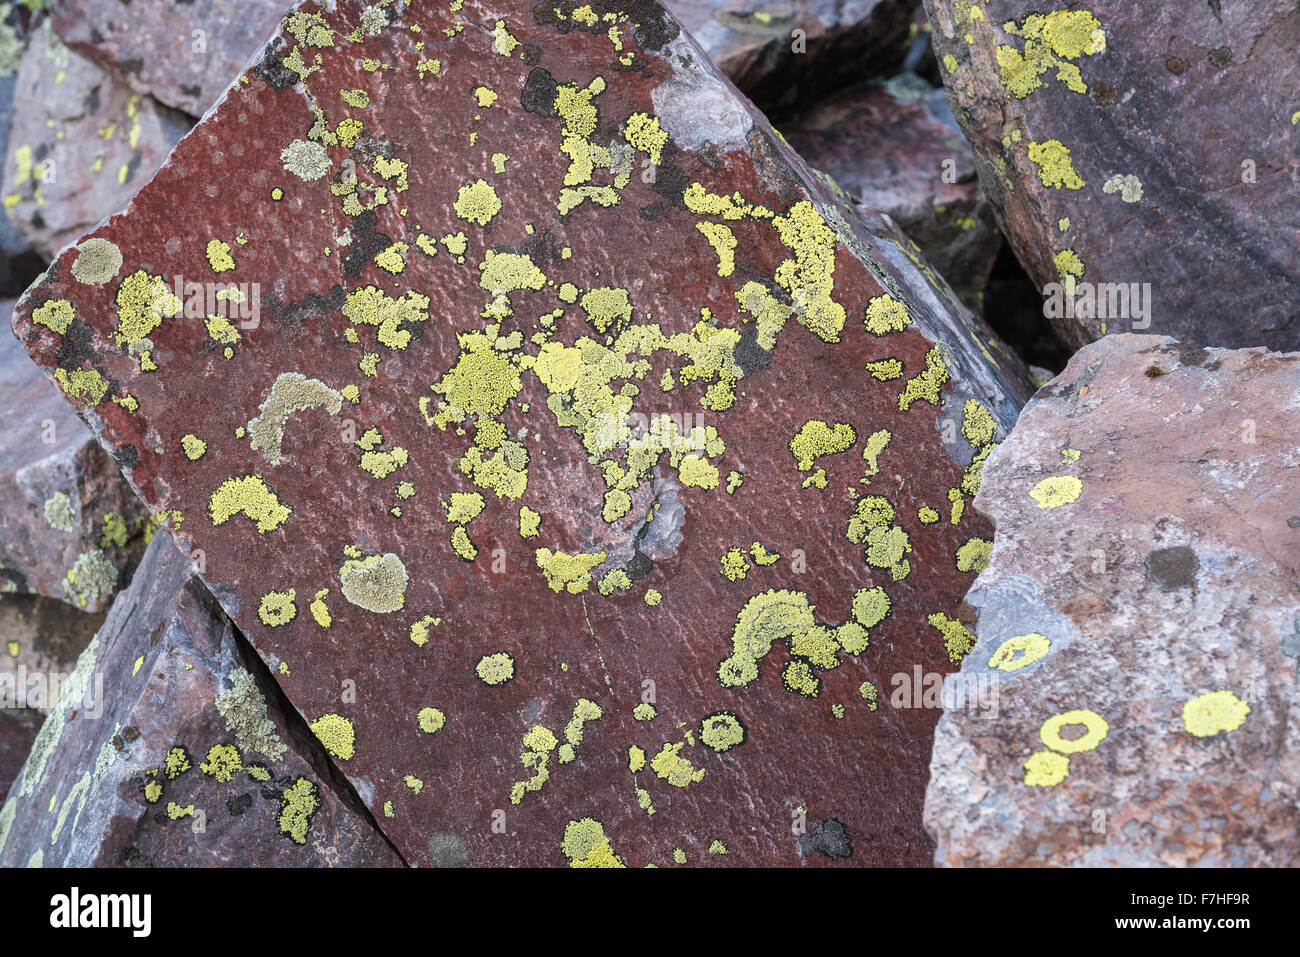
273 72
238 804
367 243
1172 568
127 457
538 95
829 837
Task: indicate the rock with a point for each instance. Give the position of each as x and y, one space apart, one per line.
1138 622
895 148
70 526
1071 112
18 729
80 145
182 54
40 641
758 48
170 747
417 458
15 252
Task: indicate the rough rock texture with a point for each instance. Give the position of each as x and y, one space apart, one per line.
1124 144
756 45
64 506
895 148
18 729
182 54
1146 563
170 747
13 246
40 641
421 469
80 145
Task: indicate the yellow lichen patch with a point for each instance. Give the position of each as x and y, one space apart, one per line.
1095 731
722 731
1051 42
393 259
193 446
319 610
291 393
430 720
798 676
644 712
98 261
56 315
1055 168
957 639
481 383
635 759
815 439
1044 769
86 385
484 97
885 314
176 811
768 617
925 386
973 555
876 444
477 202
529 522
653 597
371 306
376 583
571 573
675 769
218 256
605 306
583 711
735 566
143 301
585 845
248 496
538 745
495 669
297 805
644 133
222 763
723 241
1020 651
1056 491
337 734
113 533
278 608
809 276
419 633
1208 714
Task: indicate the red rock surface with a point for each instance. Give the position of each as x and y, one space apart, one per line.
430 340
1139 622
1124 143
64 505
182 54
170 747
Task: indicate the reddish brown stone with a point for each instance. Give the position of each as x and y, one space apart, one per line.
891 146
368 617
80 145
170 747
1139 622
64 505
1183 156
181 54
758 44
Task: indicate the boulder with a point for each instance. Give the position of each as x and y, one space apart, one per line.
1143 165
1138 622
80 145
18 729
70 526
181 54
171 747
40 641
575 455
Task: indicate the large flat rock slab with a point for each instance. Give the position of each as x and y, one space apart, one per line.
1147 154
505 413
71 528
1138 623
169 747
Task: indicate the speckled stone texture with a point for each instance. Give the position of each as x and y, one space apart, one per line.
80 145
1140 617
18 727
1182 126
895 148
106 786
182 54
40 641
63 502
755 44
422 475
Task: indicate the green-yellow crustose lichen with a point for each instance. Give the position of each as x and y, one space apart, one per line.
278 608
298 804
925 385
1055 168
973 555
248 495
222 763
337 734
957 639
1095 731
98 261
815 439
885 314
1015 653
377 583
1056 491
193 446
430 720
669 765
495 669
722 731
57 315
143 302
477 202
1051 42
1209 714
571 573
585 845
1046 769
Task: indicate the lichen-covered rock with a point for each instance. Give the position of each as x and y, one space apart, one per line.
181 54
40 641
895 148
794 51
80 145
70 526
575 456
1139 155
1138 622
170 747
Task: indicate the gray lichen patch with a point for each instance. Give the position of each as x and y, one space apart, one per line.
91 577
60 513
305 159
244 709
377 583
97 262
292 392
